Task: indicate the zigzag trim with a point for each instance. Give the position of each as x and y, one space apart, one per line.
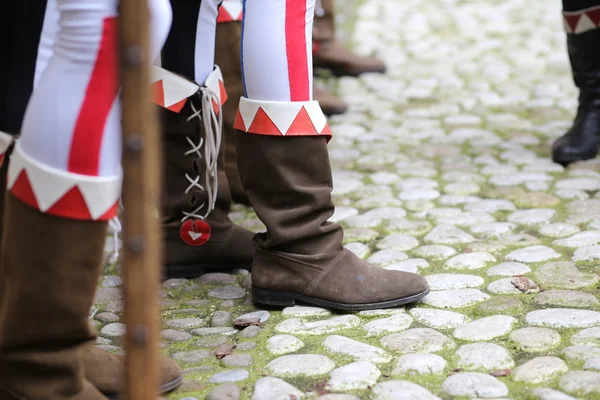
60 193
279 118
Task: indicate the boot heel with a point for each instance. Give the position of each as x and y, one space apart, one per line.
272 298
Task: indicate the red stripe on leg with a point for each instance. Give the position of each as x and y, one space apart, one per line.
295 42
100 95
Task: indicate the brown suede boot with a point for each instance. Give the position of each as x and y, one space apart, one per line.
330 104
331 54
227 56
288 181
48 285
106 371
199 235
102 369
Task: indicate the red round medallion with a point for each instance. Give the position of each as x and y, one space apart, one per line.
195 232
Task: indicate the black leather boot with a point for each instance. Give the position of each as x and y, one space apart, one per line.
582 140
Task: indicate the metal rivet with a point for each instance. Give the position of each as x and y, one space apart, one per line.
134 142
139 335
133 55
136 244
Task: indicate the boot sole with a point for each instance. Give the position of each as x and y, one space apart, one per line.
287 299
564 161
189 271
166 388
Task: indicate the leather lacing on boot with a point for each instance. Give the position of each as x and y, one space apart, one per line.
211 144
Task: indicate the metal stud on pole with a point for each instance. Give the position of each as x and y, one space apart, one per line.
141 168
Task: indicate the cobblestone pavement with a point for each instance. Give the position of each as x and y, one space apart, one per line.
441 168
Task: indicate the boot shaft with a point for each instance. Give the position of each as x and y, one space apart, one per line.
583 40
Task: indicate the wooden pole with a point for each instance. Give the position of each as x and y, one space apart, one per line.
141 167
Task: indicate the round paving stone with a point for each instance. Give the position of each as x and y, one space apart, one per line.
581 353
387 212
304 311
581 382
411 265
341 213
550 394
455 298
564 275
301 327
585 184
566 298
362 221
193 357
593 364
483 356
360 249
503 286
435 252
283 344
587 253
385 257
532 217
535 340
474 384
420 340
590 336
491 206
453 281
107 317
270 388
493 229
220 319
438 319
395 323
261 315
185 323
357 350
358 375
216 278
407 226
300 365
475 260
558 230
398 241
419 364
448 235
225 331
337 397
533 254
237 360
228 391
509 269
418 194
563 318
586 238
500 305
401 390
487 328
230 292
115 330
232 375
540 369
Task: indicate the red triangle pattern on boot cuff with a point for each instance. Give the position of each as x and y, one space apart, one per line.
581 21
301 118
230 11
60 193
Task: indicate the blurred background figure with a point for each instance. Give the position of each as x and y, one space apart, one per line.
329 54
582 24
